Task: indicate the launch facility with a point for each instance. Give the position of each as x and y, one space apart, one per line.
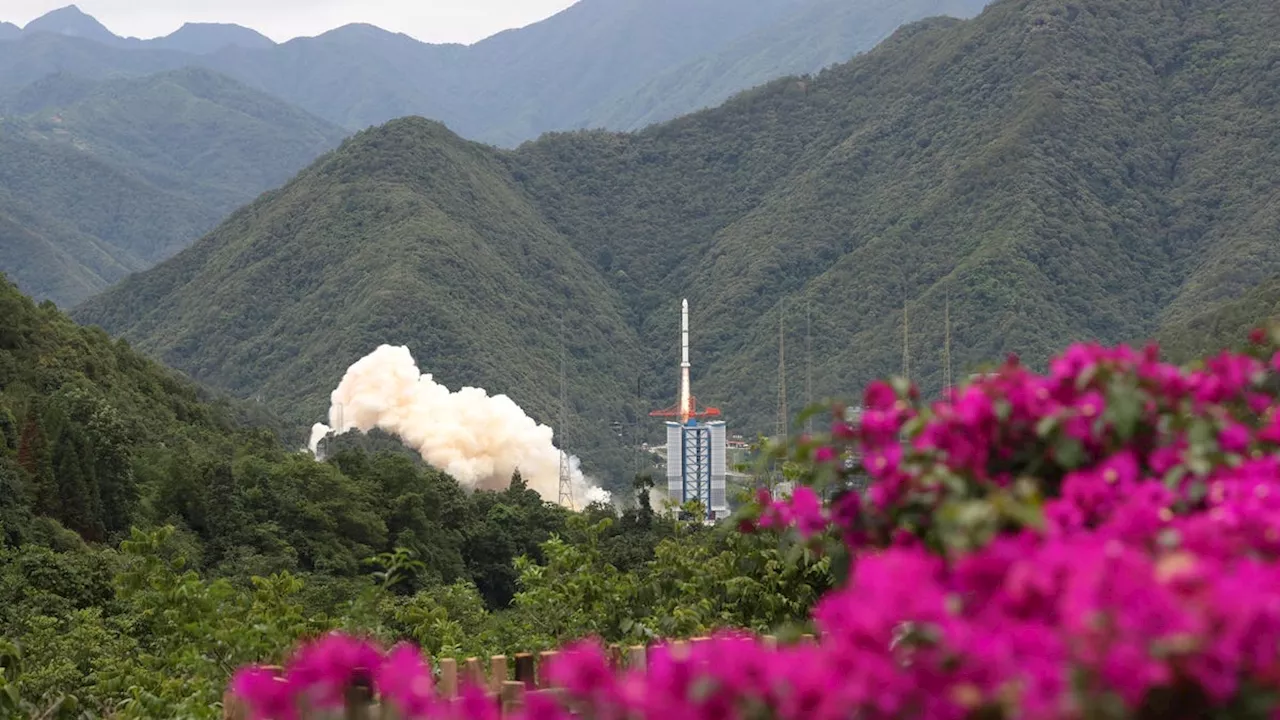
695 452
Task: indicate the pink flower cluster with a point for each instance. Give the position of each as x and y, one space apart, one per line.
1138 576
322 674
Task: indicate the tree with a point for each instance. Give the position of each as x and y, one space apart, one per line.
36 460
643 484
79 502
8 431
15 503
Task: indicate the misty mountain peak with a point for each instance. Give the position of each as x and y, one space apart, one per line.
73 22
206 38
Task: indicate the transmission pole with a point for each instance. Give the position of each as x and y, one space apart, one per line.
566 481
635 431
946 347
906 344
783 414
808 368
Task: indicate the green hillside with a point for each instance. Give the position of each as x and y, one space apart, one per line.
1226 324
406 235
1058 171
103 178
598 63
53 260
96 439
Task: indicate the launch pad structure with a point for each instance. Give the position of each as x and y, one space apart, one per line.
695 443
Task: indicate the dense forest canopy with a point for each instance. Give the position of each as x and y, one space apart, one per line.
1050 170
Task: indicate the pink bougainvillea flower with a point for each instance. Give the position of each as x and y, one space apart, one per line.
325 668
264 693
404 680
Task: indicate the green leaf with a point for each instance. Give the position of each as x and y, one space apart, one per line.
1068 452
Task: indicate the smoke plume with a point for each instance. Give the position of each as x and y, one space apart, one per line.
478 439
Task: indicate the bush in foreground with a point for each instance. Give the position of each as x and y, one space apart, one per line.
1100 541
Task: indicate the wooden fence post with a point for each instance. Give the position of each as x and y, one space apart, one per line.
543 659
448 678
524 670
614 653
636 657
473 673
512 696
232 707
497 672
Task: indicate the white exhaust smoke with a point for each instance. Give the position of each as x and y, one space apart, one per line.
479 440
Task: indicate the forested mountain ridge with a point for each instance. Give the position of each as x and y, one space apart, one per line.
1053 170
616 63
102 178
444 253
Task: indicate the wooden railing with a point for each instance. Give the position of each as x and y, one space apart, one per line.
507 680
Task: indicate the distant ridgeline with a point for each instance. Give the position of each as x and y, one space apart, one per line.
1050 172
598 63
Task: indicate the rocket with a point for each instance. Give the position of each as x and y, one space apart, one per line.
686 407
686 399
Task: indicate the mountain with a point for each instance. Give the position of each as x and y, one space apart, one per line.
33 56
549 76
109 177
1050 171
813 36
608 63
407 235
195 38
71 21
563 72
205 38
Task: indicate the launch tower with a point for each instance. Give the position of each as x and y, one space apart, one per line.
695 445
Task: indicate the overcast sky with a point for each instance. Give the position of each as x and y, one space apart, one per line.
428 20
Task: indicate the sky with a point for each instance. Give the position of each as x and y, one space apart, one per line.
435 21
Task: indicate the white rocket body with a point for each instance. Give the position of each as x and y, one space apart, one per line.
686 404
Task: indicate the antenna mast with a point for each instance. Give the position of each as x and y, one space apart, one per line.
566 482
946 347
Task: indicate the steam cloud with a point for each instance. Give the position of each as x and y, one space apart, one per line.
477 439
